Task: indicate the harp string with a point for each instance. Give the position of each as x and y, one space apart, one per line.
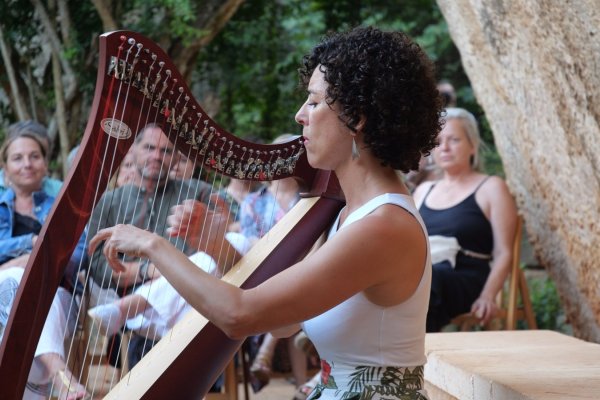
73 304
180 196
112 168
94 341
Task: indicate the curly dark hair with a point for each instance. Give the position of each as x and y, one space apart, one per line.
388 79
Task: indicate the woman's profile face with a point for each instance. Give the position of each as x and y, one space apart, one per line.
25 165
327 140
455 148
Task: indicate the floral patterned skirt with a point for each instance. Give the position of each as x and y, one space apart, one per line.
369 382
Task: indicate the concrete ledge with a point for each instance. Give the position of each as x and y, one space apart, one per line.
511 365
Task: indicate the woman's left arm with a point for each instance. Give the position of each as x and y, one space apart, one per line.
499 206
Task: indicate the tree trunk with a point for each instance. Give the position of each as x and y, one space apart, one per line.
15 93
534 67
215 15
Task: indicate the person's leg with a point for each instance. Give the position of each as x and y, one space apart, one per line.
261 366
9 283
49 374
138 347
453 291
162 308
55 328
298 361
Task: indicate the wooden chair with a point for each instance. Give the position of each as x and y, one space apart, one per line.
511 310
229 390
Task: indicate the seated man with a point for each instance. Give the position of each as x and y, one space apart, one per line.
147 206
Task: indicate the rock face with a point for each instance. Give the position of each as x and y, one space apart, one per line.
535 68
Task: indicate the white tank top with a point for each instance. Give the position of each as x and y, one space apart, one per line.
360 333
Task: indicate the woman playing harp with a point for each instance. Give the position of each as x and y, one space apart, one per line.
362 297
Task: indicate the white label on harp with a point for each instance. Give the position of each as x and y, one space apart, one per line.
115 128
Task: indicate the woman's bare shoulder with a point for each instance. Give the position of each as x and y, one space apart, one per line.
494 185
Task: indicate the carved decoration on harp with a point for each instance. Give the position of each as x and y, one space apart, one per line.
136 85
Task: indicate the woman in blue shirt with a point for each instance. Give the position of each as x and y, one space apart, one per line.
24 207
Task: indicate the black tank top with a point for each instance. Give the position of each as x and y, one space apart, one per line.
466 222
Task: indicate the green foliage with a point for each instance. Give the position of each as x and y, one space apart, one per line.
250 68
164 18
252 65
546 305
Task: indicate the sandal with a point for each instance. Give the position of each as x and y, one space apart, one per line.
303 391
260 374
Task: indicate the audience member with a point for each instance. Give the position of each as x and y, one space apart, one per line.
128 172
71 156
183 168
49 185
363 294
471 220
146 206
154 308
24 206
234 194
448 93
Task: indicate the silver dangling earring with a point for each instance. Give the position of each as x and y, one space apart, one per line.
355 153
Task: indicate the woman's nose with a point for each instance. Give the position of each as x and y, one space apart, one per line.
300 116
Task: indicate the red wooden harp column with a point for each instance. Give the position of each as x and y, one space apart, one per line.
137 84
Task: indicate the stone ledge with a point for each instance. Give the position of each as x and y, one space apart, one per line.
515 365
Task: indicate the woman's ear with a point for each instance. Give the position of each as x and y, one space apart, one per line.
361 124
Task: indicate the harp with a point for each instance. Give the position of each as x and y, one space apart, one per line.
137 84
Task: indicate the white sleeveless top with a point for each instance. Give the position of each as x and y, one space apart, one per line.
360 333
